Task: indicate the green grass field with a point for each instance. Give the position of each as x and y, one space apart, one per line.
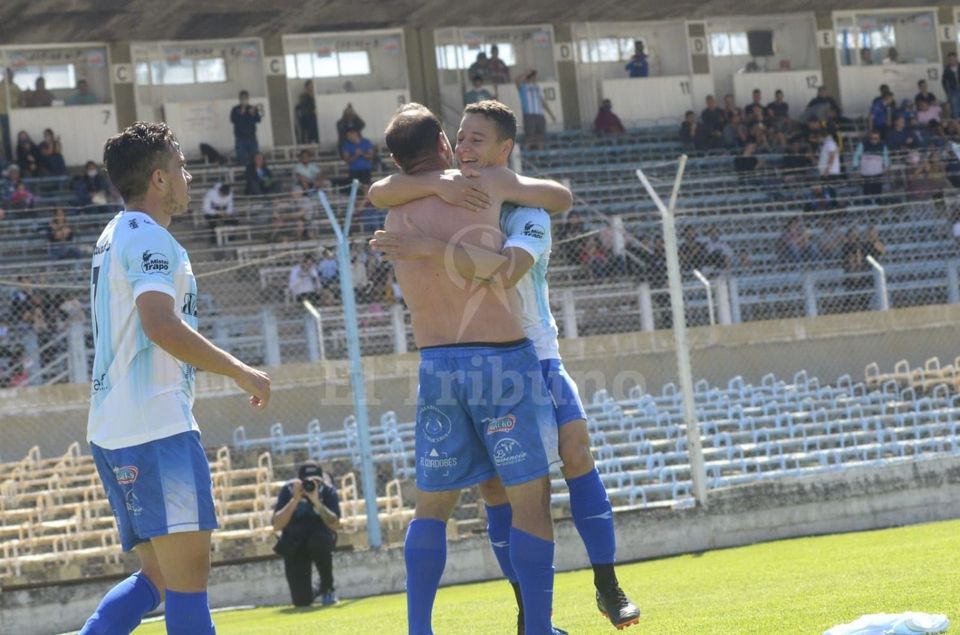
792 586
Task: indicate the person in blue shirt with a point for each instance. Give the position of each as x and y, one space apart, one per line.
638 65
245 117
358 153
882 111
307 513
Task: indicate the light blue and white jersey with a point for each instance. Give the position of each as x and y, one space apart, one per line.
140 392
529 229
531 101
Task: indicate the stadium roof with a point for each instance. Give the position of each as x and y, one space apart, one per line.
48 21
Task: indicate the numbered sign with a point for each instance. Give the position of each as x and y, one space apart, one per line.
948 33
274 65
564 52
698 46
826 39
122 73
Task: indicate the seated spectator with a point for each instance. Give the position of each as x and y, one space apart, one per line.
866 56
925 94
480 67
872 160
51 161
305 211
259 178
594 258
730 108
606 122
28 154
692 252
747 163
893 56
304 281
795 245
91 190
831 240
735 134
927 112
477 93
899 137
719 253
308 174
712 121
798 158
932 136
907 110
329 272
926 178
638 66
40 97
14 193
820 105
218 208
83 96
779 109
689 130
358 153
499 72
60 237
820 198
755 111
350 120
873 246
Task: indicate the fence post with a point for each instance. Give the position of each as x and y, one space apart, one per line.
399 329
953 282
271 338
810 294
77 353
647 322
310 330
619 246
724 313
569 314
31 358
734 289
880 282
706 285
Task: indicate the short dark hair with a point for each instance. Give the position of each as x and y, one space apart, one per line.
411 135
499 113
244 92
131 156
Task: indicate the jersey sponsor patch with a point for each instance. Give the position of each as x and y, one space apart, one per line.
154 262
126 475
500 424
508 452
436 424
534 230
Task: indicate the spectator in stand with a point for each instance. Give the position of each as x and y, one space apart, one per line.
92 191
873 246
779 112
304 212
51 161
820 199
866 57
925 94
60 237
480 67
798 159
259 177
735 134
606 122
83 96
308 174
950 80
638 66
477 93
712 120
933 136
755 111
533 106
10 87
499 72
747 163
28 154
218 208
348 121
927 178
245 117
719 252
820 105
14 193
857 268
690 134
306 115
304 281
882 111
893 56
828 165
692 252
795 245
927 112
831 240
329 272
594 258
900 137
730 108
872 160
39 97
358 154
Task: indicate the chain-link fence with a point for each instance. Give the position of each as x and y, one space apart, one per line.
761 238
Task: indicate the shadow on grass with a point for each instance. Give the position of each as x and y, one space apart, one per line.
316 608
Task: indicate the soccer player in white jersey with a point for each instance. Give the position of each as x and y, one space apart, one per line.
141 430
486 138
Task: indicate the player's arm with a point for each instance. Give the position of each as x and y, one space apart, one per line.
163 325
525 191
451 186
282 517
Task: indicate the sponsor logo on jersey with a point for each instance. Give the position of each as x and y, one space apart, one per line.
189 304
508 452
154 262
435 460
436 425
500 424
126 475
100 383
133 224
534 230
101 249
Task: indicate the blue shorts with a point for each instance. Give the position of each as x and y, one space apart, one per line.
566 398
482 411
158 488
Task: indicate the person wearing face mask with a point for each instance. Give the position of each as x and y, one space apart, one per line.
91 190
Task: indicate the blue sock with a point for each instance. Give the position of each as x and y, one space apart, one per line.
425 555
532 559
499 519
122 608
593 517
188 614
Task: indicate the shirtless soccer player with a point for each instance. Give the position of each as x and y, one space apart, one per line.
486 138
143 436
477 369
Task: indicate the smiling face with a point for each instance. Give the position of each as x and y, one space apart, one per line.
478 145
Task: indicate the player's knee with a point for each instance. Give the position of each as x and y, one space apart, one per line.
155 577
493 492
577 459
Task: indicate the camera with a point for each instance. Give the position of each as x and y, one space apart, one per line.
309 484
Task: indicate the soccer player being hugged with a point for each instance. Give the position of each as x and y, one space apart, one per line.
144 438
486 139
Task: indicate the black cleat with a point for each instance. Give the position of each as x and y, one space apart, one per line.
615 606
516 591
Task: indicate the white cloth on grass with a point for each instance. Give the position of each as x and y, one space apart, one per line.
893 624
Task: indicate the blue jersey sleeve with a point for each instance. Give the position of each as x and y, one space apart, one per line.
529 229
150 258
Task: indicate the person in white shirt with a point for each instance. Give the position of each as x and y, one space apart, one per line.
308 174
829 162
218 208
304 282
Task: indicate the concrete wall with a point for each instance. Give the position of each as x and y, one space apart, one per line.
853 500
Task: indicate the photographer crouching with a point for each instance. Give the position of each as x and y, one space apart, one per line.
308 515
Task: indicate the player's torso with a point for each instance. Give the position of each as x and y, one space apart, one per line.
445 308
